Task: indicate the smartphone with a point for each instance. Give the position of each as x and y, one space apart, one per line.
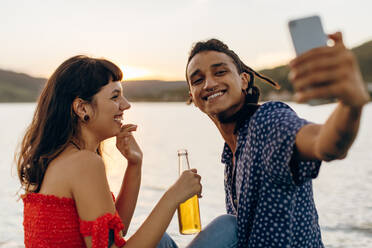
307 33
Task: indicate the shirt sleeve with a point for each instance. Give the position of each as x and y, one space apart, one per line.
99 230
279 132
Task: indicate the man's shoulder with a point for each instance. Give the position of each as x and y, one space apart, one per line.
271 115
272 110
273 105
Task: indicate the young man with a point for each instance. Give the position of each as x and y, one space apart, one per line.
271 154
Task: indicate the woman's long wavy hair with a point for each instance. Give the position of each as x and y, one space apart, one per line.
219 46
55 123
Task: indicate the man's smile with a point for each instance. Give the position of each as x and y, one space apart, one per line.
213 95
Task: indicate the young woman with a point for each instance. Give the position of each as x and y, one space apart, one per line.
67 200
271 154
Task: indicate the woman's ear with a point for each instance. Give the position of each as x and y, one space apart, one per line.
80 108
246 78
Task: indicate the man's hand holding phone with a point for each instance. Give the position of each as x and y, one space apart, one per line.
328 72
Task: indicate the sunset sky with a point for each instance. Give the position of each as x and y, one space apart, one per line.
151 39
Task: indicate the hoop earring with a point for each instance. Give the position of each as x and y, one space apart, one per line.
86 118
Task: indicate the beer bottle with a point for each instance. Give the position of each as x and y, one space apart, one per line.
188 211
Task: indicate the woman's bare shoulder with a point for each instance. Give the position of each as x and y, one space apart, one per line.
76 162
84 159
83 165
71 170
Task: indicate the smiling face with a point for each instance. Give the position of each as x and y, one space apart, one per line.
108 111
215 84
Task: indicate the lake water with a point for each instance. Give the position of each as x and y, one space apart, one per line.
342 190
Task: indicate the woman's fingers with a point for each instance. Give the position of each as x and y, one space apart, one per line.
127 129
194 180
199 186
125 134
187 185
127 145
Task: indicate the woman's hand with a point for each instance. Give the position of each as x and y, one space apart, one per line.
127 145
187 185
328 72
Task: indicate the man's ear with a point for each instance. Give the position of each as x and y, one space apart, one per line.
189 101
80 108
245 80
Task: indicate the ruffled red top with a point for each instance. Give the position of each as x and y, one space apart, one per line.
51 221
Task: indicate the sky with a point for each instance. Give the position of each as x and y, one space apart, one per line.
151 39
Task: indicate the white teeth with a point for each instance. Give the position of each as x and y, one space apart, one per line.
215 95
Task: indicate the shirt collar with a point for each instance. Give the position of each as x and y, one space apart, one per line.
226 154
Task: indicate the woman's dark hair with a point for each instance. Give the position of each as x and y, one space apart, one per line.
54 123
219 46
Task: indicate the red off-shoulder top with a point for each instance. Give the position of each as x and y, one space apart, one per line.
51 221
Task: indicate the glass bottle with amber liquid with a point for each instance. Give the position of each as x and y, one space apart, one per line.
188 211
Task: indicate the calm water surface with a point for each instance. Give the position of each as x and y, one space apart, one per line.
342 191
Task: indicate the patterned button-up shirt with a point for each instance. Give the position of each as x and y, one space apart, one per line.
272 200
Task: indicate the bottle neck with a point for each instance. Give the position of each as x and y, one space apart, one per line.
183 163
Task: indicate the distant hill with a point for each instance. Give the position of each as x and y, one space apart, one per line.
19 87
156 91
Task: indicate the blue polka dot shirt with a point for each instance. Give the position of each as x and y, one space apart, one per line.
272 200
